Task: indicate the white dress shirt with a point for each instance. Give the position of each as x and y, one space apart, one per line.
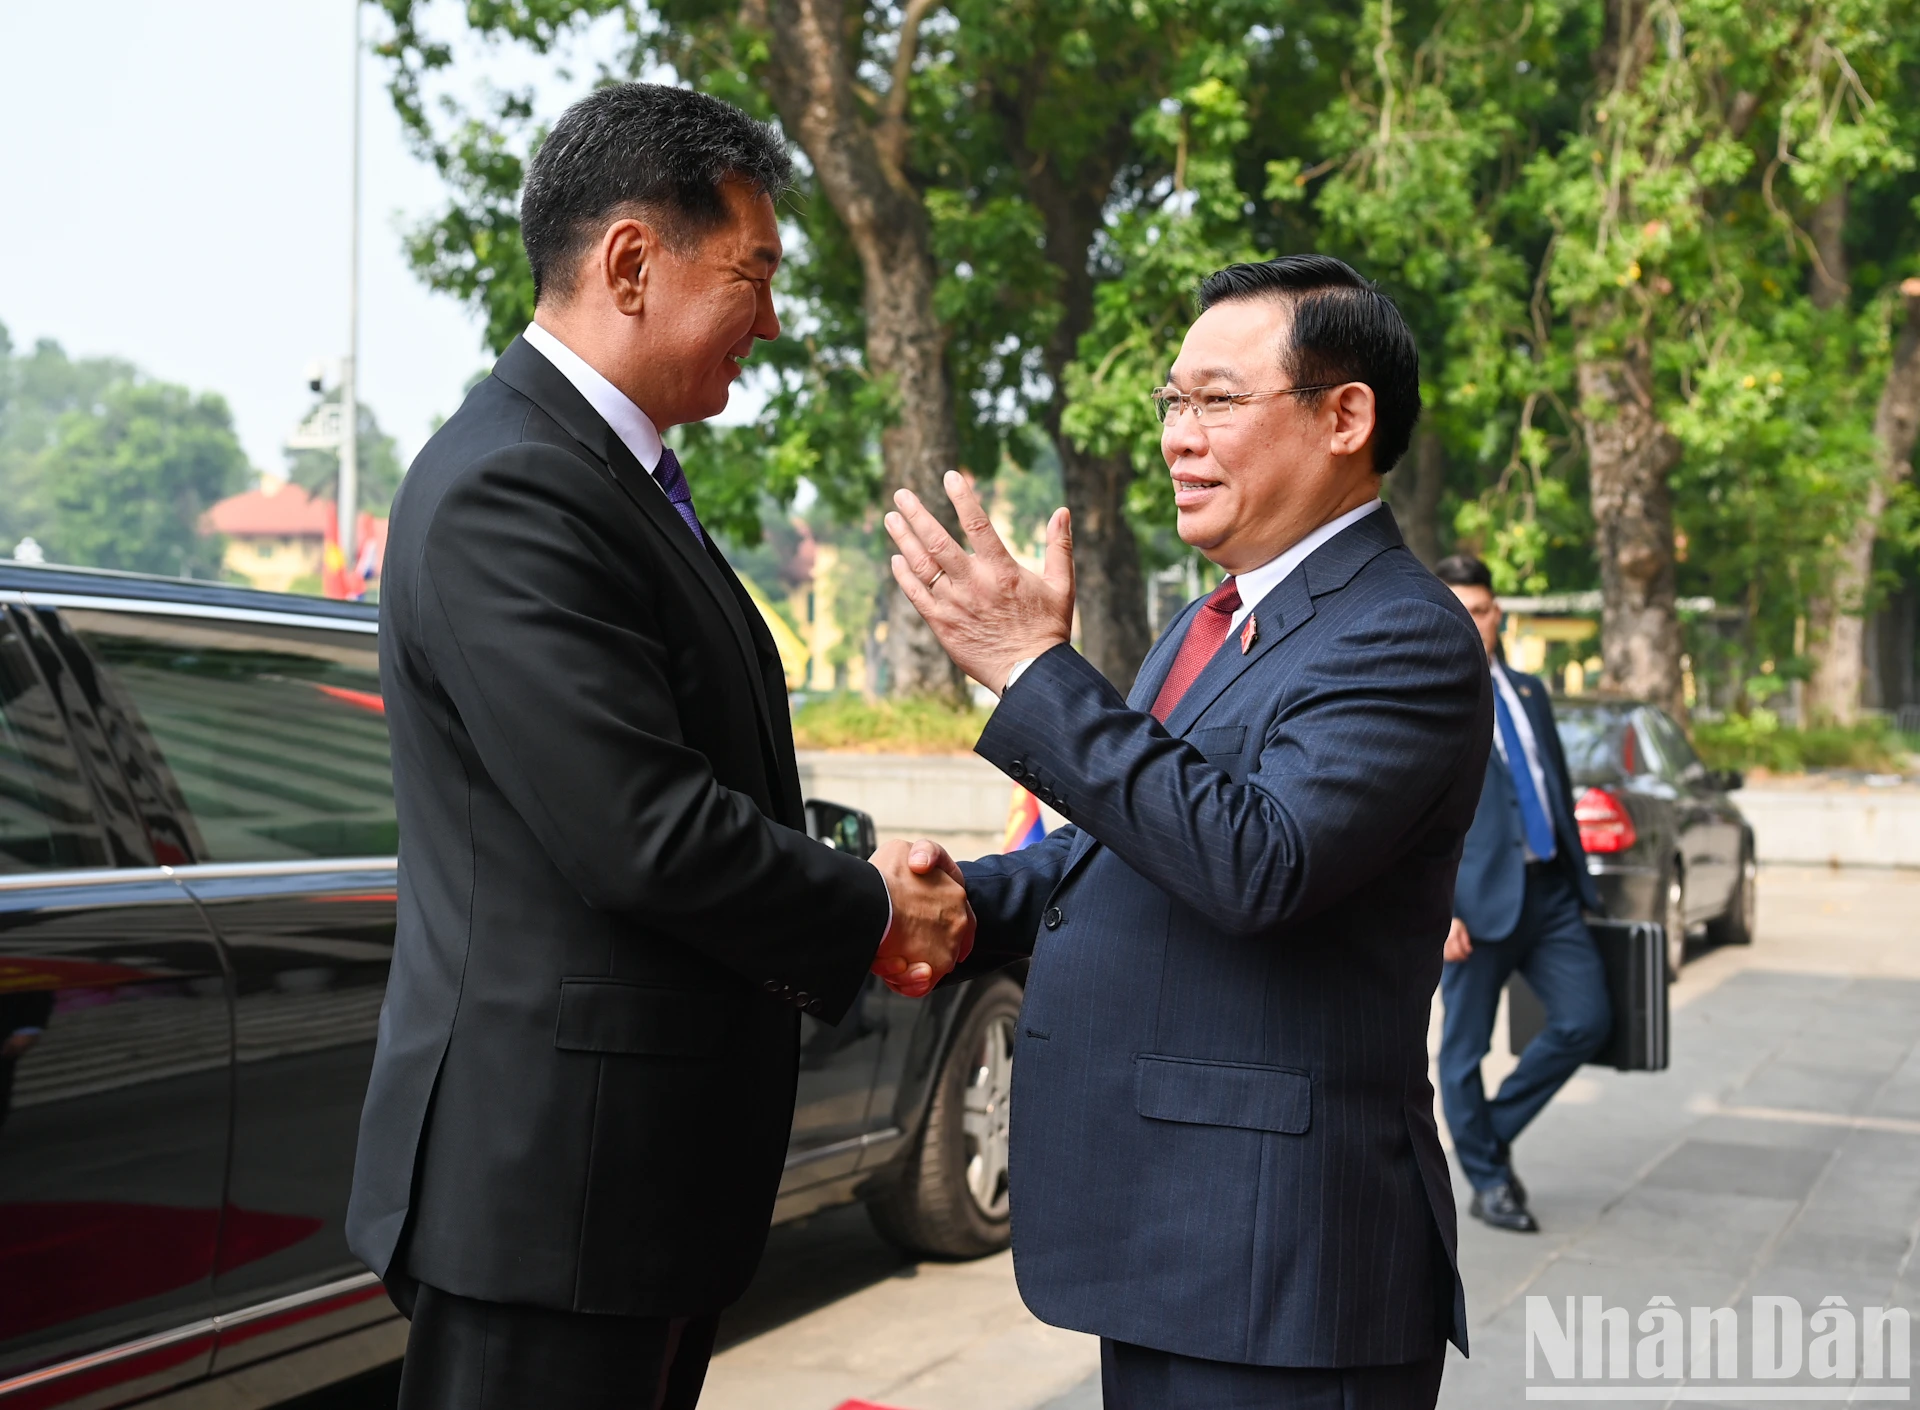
1529 745
629 422
1256 583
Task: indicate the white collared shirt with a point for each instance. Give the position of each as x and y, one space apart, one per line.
1256 583
632 425
1529 744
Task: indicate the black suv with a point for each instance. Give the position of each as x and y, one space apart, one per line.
196 918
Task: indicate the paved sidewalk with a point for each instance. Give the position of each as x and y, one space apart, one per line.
1779 1155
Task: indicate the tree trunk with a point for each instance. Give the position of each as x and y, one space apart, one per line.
857 163
1840 665
1629 450
1422 504
1836 625
1629 453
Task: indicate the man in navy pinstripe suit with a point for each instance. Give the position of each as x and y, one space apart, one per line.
1225 1162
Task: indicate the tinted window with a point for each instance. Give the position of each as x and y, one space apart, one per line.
1675 749
1591 740
276 737
46 813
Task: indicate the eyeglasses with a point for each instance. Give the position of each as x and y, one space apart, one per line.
1213 405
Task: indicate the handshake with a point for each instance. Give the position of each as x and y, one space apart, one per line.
933 925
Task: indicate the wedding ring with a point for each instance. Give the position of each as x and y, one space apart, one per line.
938 575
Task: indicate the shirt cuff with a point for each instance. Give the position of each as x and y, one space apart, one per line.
1019 670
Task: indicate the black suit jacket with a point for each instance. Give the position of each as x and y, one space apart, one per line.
610 915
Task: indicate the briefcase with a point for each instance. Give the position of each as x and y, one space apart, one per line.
1634 953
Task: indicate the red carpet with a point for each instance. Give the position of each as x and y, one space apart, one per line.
62 1261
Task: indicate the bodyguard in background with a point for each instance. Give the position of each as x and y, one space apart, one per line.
1516 907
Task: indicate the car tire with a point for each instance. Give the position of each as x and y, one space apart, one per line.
1673 916
951 1198
1735 926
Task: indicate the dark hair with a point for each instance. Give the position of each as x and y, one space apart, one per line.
1463 570
1343 329
640 147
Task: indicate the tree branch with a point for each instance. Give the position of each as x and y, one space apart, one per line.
892 137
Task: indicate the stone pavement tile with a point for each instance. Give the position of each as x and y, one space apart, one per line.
1653 1227
1749 1131
1719 1167
1816 1244
1798 1087
1034 1361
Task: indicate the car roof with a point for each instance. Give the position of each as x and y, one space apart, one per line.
52 581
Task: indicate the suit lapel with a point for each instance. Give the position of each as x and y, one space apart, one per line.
528 372
1280 614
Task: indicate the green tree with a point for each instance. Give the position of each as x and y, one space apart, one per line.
128 478
37 390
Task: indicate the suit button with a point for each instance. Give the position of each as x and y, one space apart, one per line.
772 986
1017 769
803 998
1052 918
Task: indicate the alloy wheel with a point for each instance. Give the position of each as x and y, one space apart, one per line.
985 1119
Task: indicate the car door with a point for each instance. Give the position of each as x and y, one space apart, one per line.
272 739
115 1062
838 1062
1712 829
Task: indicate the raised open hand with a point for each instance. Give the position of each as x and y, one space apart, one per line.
988 611
932 928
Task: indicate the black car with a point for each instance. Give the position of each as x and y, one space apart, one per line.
196 919
1663 840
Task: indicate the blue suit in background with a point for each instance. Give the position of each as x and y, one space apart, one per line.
1522 915
1224 1156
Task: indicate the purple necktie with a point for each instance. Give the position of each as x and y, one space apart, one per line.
673 481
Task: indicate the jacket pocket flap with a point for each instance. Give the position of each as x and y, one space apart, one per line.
611 1016
1222 1094
1219 741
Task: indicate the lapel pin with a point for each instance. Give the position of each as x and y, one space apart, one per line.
1249 634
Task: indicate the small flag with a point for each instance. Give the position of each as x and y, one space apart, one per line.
1024 824
1249 634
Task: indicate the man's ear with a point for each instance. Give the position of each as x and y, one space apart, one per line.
1354 414
626 256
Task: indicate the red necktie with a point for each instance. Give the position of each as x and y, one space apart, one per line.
1205 632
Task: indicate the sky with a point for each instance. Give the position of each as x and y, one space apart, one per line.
174 189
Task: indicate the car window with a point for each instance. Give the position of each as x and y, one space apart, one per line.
46 812
1591 740
276 737
1675 748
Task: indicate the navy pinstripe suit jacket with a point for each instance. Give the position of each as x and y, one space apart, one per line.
1223 1135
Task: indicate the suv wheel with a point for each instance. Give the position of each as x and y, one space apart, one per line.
951 1199
1674 918
1735 926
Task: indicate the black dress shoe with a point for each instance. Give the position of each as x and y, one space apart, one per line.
1505 1156
1502 1207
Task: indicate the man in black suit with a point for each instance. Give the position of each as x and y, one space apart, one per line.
1224 1158
610 917
1516 907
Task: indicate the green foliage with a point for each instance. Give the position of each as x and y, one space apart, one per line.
106 469
1480 162
1757 740
906 726
129 479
